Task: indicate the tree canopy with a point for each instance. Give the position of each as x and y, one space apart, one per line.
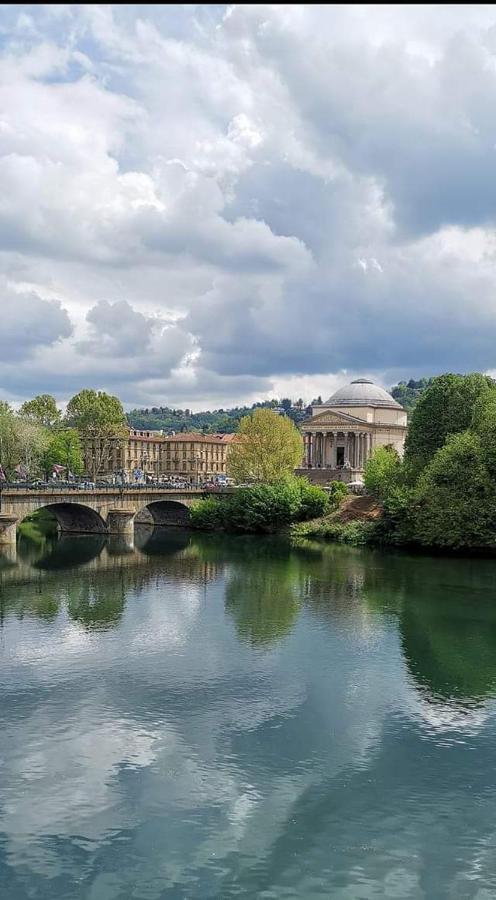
446 407
42 410
99 418
269 446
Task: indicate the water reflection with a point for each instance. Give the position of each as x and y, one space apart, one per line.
205 716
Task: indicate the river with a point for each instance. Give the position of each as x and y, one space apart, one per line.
199 716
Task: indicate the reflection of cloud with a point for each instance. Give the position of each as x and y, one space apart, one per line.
71 772
441 716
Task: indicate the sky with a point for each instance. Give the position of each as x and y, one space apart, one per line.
205 205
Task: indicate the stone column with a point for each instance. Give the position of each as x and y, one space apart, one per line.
328 449
369 446
360 451
121 521
7 529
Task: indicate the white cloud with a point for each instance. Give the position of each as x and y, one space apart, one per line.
235 199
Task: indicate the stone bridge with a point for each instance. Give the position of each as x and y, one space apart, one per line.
105 510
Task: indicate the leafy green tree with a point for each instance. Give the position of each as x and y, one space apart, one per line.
42 410
269 446
409 393
455 499
445 408
99 418
9 450
21 442
64 449
382 472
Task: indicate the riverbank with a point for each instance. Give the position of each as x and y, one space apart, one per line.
354 522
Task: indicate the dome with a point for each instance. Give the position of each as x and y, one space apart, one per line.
362 392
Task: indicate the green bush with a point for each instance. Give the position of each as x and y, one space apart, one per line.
314 501
264 507
208 514
337 490
382 472
356 533
396 525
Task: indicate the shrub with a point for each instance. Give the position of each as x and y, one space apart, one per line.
382 472
264 507
338 490
314 501
208 514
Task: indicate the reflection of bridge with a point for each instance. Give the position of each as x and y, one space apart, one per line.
109 510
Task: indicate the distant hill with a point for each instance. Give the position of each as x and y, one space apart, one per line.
226 421
408 392
219 421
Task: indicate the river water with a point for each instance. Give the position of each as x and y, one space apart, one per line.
221 717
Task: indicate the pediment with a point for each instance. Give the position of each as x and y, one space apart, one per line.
334 418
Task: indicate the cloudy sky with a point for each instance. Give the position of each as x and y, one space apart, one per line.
201 205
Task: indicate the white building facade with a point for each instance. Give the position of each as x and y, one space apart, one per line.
342 434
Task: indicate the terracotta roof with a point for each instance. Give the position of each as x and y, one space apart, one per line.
200 438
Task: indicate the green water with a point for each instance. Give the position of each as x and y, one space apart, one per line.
215 717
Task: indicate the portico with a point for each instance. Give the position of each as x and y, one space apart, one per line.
342 434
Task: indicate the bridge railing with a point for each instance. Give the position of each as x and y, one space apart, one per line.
103 489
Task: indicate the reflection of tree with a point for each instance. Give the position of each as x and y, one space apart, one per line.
450 644
265 589
34 599
96 605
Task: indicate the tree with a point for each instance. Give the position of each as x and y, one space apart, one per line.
21 442
42 410
455 499
64 449
382 472
286 404
268 447
445 408
99 418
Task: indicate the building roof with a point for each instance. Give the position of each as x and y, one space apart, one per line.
362 392
200 438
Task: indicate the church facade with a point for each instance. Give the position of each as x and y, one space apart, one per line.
342 434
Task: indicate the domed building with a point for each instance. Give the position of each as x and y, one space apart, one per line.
341 435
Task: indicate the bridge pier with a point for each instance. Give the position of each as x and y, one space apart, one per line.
121 522
8 529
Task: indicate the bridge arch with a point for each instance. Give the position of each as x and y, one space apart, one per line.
168 512
76 518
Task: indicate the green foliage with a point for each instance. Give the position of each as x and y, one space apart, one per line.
338 490
445 408
42 410
396 525
264 507
208 514
382 472
22 442
64 449
218 421
99 418
456 497
408 393
314 501
484 424
356 533
261 507
269 447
